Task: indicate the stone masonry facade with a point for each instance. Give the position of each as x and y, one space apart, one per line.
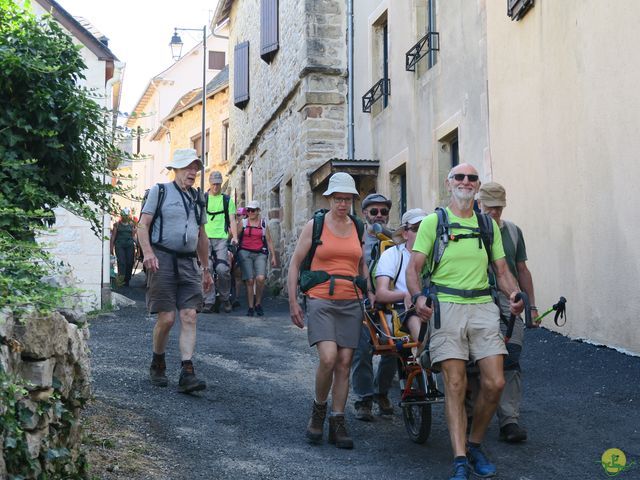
296 117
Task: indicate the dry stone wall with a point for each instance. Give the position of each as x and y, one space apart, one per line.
50 355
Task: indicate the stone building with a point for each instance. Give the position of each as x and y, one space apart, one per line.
288 123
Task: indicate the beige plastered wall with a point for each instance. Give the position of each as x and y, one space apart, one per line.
564 121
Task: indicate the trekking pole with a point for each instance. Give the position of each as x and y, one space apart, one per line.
561 312
432 300
527 316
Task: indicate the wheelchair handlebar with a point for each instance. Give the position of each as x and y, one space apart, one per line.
432 301
527 315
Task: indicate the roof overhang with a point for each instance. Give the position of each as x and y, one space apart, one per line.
357 168
222 12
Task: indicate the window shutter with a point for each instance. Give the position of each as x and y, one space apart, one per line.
241 75
269 31
216 60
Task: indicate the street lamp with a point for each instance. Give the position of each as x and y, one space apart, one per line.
176 50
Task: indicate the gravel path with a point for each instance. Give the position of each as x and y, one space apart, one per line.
580 400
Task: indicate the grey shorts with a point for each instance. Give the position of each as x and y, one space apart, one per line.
167 291
253 264
338 321
467 332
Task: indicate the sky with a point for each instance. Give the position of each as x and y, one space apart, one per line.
139 33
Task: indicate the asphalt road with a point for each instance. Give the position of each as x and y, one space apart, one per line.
580 400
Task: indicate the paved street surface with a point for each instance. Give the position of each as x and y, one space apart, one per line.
580 400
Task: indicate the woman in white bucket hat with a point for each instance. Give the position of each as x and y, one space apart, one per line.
334 310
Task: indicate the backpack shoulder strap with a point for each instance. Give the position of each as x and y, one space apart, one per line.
225 207
513 232
359 226
442 238
485 224
399 251
162 193
318 224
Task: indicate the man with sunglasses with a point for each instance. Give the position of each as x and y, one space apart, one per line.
470 321
367 386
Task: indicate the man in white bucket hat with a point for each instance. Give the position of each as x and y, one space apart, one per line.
172 237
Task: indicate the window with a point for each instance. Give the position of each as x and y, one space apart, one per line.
431 29
216 60
288 206
224 148
241 75
380 55
196 143
384 31
269 29
448 157
248 184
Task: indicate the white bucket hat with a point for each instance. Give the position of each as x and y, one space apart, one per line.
409 218
183 157
341 182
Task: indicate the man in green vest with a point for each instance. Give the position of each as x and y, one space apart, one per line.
221 211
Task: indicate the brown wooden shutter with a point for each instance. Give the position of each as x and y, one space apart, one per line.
241 75
216 60
269 29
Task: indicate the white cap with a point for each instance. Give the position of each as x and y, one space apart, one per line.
183 157
341 182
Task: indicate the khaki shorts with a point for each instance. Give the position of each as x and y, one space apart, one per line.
338 321
467 332
252 264
167 291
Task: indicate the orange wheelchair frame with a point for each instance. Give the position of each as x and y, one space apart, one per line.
418 385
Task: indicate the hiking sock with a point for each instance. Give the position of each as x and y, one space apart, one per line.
474 445
336 414
320 404
184 363
158 358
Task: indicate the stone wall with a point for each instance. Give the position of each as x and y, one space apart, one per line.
295 119
51 355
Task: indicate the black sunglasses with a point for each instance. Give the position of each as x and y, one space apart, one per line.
383 211
460 177
413 228
251 209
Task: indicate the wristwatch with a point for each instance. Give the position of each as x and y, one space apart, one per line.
414 298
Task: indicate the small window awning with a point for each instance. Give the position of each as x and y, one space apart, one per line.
356 168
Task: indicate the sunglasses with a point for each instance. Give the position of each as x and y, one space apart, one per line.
413 228
383 211
251 209
459 177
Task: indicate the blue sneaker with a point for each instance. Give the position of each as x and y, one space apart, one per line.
461 470
481 465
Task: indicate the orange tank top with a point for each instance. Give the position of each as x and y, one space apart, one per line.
337 256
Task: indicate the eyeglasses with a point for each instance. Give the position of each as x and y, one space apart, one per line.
251 209
343 199
413 228
383 211
459 177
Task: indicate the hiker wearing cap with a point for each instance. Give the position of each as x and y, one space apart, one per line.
469 326
172 238
329 263
220 227
492 199
391 270
122 244
254 249
370 386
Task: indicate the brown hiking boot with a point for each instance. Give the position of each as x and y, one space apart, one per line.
385 407
338 433
315 427
188 381
157 373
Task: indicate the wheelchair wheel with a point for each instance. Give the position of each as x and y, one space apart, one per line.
416 412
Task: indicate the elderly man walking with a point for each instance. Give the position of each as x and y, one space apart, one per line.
470 321
492 199
221 212
172 237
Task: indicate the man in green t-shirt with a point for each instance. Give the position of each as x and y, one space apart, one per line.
221 213
492 199
470 324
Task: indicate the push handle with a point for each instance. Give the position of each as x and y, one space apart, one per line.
527 315
432 301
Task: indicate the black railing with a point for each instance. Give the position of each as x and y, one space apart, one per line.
382 88
516 9
429 43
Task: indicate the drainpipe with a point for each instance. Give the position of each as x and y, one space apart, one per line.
350 102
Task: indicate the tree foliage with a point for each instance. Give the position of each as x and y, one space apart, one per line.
56 142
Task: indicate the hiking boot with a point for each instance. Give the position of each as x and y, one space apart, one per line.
315 427
461 470
385 407
338 433
226 305
250 312
479 462
513 433
208 308
259 310
157 374
188 381
363 410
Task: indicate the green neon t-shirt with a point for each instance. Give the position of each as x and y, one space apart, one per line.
215 222
464 263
